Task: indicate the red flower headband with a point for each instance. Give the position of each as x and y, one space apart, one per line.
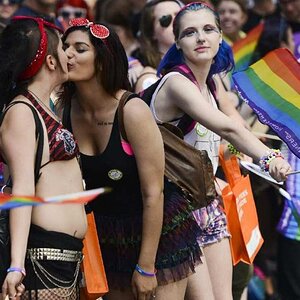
38 59
97 30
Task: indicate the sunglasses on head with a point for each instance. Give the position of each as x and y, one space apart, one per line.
165 21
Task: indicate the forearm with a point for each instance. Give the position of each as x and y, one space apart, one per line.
152 225
20 220
247 143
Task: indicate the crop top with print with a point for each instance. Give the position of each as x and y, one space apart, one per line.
62 144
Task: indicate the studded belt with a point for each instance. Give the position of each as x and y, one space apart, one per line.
54 254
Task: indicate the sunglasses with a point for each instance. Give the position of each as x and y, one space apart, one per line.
10 2
165 21
97 30
72 13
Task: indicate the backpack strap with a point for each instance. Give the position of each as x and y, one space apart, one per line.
39 135
124 99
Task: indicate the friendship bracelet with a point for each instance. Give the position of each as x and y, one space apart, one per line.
265 160
16 269
233 150
144 273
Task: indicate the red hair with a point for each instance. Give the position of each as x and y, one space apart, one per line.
75 3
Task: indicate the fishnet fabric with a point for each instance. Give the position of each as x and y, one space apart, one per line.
52 294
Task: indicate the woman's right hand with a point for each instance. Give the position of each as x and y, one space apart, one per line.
13 286
143 287
279 168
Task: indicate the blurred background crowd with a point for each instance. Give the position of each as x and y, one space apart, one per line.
145 30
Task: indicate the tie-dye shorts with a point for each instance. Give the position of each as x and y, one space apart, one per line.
213 223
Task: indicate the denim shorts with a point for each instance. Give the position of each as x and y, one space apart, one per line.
212 222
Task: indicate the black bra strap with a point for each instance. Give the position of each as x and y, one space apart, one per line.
39 135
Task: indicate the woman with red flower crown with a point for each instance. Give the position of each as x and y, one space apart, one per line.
148 244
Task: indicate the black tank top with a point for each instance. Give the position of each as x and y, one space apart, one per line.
115 169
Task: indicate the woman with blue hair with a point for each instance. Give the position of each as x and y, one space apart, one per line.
188 88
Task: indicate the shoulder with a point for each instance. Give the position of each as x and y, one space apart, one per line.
177 83
146 78
18 113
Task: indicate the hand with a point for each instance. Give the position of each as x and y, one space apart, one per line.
13 286
279 168
134 72
143 287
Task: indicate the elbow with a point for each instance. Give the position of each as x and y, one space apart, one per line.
152 199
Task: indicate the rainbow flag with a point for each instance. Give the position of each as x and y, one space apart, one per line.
12 201
271 87
244 48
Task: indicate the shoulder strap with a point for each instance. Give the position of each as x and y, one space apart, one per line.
124 99
39 135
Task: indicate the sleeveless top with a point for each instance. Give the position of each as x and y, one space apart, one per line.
198 135
115 168
62 144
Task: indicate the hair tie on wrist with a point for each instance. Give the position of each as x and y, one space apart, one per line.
143 272
16 269
266 159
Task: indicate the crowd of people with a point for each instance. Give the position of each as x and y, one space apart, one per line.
73 80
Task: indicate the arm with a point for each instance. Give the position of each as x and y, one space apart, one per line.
226 105
145 139
184 95
17 140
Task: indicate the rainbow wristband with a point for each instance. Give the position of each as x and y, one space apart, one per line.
265 160
16 269
144 273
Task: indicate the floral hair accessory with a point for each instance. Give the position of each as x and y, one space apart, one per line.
97 30
38 59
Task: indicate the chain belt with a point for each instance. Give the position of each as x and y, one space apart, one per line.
54 254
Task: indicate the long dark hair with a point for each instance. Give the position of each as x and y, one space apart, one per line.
149 48
19 43
111 63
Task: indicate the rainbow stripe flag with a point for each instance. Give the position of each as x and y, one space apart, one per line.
271 87
244 48
12 201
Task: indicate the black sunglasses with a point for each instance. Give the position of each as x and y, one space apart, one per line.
165 21
67 14
10 2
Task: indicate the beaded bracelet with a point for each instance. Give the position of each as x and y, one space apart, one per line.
233 150
16 269
143 272
265 160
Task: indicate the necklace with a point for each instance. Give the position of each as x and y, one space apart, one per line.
50 112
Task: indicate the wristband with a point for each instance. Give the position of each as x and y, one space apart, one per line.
144 273
16 269
233 150
265 160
